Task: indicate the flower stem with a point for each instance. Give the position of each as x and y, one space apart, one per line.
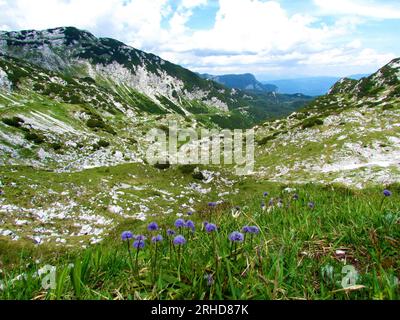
130 254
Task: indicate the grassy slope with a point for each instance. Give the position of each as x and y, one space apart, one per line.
331 133
284 262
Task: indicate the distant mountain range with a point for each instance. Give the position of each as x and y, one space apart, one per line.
245 81
309 86
312 86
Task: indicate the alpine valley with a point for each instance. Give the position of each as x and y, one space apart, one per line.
74 113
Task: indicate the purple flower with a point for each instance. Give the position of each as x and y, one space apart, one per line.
212 204
236 236
180 223
171 232
251 229
295 196
262 205
190 224
190 213
179 240
210 227
387 193
139 244
311 205
254 229
152 226
271 202
126 235
266 194
156 239
140 238
205 224
210 279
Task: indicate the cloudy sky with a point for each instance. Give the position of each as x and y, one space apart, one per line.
272 39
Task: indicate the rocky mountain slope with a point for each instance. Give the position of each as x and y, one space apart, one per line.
69 100
350 136
123 71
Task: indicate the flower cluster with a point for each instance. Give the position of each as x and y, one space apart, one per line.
210 227
236 236
251 229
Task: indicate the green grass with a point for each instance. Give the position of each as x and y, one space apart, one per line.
285 261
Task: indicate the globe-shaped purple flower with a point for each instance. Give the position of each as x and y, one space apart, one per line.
140 238
158 238
311 205
126 235
139 244
180 223
190 224
170 232
212 204
179 241
254 230
236 237
387 193
265 194
250 229
152 226
210 227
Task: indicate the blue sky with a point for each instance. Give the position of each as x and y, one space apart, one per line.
272 39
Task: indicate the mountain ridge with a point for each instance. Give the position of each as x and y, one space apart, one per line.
349 136
246 81
112 64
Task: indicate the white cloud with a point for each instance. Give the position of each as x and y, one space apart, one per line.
362 8
189 4
134 20
261 37
247 36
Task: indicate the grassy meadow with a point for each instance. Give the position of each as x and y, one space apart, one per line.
303 242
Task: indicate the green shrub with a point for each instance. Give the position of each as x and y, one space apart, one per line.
162 166
387 107
109 130
56 146
103 144
312 122
89 80
34 137
198 176
94 123
187 168
13 122
264 140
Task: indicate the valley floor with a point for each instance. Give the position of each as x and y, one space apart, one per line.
311 241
